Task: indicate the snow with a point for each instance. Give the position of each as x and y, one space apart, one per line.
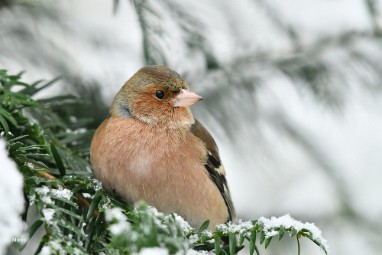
47 200
275 180
87 195
45 192
56 246
239 227
62 193
77 251
182 223
45 251
271 226
11 195
153 251
194 252
97 183
32 199
119 228
271 233
48 215
206 233
288 222
284 221
114 214
118 221
30 165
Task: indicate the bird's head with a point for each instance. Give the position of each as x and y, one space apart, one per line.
156 95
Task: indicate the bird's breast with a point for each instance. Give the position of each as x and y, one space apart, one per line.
162 166
129 151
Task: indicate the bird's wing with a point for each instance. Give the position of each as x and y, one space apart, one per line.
214 166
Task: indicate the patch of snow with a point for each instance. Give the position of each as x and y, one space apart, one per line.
182 223
30 165
44 190
119 228
45 251
32 199
152 210
153 251
62 193
43 193
239 227
287 222
118 221
11 191
97 183
48 215
206 233
77 251
114 214
271 233
47 200
87 195
193 238
56 246
194 252
284 221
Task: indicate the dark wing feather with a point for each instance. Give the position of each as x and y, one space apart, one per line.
214 166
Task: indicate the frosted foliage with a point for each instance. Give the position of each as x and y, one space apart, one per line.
184 224
114 214
239 227
62 193
118 221
11 193
270 228
44 192
287 222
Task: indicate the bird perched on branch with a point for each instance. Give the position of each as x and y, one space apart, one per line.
152 149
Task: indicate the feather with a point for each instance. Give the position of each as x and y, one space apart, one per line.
214 166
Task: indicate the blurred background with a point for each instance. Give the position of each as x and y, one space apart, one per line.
292 92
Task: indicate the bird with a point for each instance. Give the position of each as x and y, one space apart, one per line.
152 149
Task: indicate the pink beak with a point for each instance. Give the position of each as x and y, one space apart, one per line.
186 98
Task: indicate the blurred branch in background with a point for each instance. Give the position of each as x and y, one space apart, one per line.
152 51
374 16
276 17
158 32
233 66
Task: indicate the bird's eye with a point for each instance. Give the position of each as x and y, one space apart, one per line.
159 94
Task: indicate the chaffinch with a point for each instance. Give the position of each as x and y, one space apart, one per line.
152 149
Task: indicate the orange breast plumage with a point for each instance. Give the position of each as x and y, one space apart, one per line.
160 165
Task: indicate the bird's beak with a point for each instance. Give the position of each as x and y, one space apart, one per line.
186 98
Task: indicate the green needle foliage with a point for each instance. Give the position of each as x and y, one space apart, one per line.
51 148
